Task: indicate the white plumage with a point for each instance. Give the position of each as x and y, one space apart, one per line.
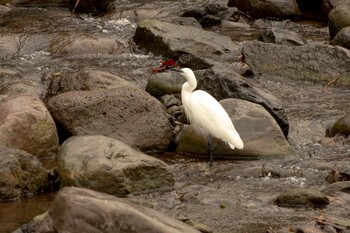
206 114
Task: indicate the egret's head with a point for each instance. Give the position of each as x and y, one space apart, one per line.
185 72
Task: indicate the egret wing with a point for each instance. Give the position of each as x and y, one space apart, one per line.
208 114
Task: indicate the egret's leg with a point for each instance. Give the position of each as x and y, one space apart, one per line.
210 151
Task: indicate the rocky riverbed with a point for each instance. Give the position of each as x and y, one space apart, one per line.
77 90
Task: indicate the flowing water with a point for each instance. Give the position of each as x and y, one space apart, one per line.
302 100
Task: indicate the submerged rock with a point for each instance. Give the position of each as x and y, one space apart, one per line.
107 165
83 210
302 198
260 133
20 173
25 123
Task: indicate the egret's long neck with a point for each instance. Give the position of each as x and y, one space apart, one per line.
190 85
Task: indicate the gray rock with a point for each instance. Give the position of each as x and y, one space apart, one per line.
260 133
84 80
341 126
98 212
222 83
314 62
281 37
126 113
172 41
210 14
107 165
27 124
75 44
267 8
341 186
20 173
342 38
164 83
302 198
339 18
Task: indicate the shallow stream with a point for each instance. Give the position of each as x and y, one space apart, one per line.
230 188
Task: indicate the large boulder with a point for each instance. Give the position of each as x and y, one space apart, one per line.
172 40
267 8
314 62
339 18
25 123
126 113
20 173
82 210
108 165
83 80
262 136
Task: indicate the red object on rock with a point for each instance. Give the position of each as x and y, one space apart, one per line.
164 66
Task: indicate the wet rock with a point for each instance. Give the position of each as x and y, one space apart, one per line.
342 186
101 213
164 83
341 126
84 80
73 44
342 38
210 15
316 62
199 226
108 165
172 41
339 174
327 5
302 198
260 133
221 82
20 173
268 8
339 18
26 124
125 113
282 37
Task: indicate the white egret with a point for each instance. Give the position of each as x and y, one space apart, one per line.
206 114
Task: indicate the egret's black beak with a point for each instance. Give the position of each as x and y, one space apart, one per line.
176 69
